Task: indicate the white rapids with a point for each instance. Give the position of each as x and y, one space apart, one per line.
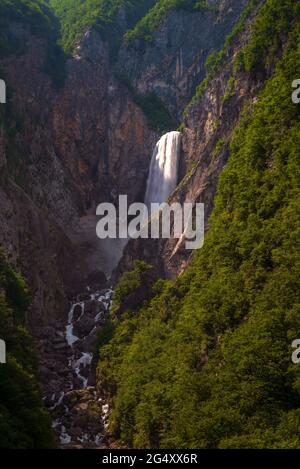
85 318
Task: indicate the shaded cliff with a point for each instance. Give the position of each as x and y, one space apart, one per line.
170 61
69 126
79 129
208 123
24 422
62 153
207 363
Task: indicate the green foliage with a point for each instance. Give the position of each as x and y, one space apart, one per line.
34 13
39 18
142 17
24 422
216 59
157 114
77 16
181 127
219 145
269 30
229 90
146 26
129 283
104 336
208 362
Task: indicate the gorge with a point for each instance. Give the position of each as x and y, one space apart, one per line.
105 339
71 398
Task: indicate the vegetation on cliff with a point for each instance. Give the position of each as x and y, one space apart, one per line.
36 14
24 422
110 17
147 25
216 59
40 19
207 363
268 32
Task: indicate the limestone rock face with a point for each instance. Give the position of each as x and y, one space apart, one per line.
62 152
172 64
205 149
66 147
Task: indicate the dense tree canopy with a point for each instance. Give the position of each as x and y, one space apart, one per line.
76 16
24 422
208 362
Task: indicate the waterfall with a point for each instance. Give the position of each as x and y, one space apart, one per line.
163 173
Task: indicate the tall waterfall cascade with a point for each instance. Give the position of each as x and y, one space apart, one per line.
164 165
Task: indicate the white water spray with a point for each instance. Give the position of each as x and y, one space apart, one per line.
163 173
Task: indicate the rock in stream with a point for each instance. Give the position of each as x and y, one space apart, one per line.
79 413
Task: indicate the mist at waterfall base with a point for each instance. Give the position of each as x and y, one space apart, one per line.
90 311
162 180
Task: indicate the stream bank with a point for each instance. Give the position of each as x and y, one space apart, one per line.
69 363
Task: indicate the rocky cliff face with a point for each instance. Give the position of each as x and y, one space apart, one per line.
172 64
61 153
64 150
209 123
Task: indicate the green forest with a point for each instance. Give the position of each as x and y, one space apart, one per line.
207 362
141 17
76 16
145 27
202 361
24 422
37 15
